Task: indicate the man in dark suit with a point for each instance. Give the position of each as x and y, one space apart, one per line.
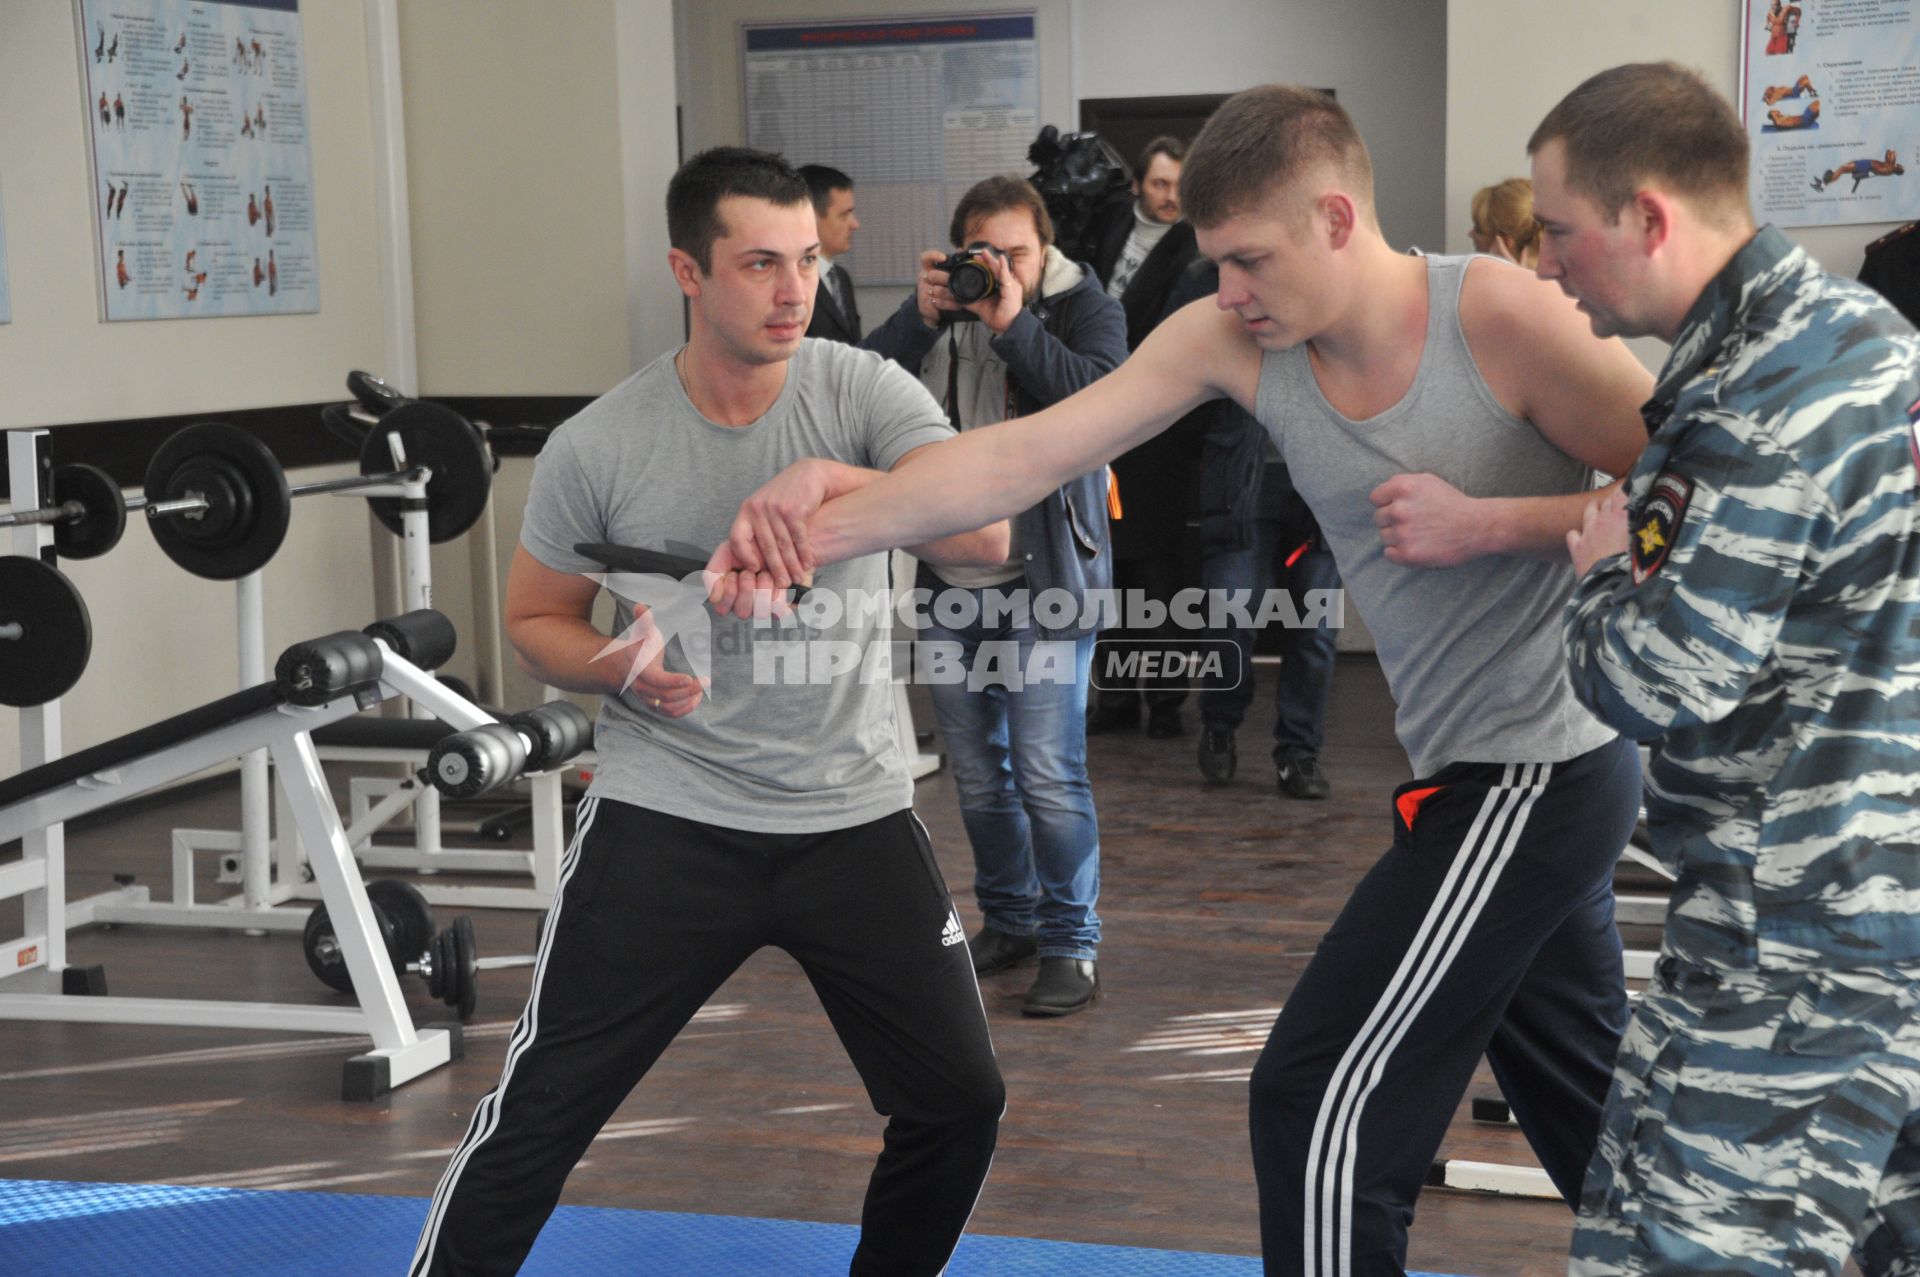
1140 248
836 315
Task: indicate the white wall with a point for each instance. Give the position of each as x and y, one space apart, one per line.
1510 61
646 47
514 189
540 139
1384 59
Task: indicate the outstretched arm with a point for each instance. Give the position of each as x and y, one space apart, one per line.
997 471
807 483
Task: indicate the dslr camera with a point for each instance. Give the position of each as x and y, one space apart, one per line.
969 278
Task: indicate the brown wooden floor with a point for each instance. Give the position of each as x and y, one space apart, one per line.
1213 900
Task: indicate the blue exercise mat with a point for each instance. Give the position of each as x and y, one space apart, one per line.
58 1229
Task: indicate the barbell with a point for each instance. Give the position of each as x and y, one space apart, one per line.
219 502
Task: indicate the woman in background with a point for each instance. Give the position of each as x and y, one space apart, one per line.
1503 224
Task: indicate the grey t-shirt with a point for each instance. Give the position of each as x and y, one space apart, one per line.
785 741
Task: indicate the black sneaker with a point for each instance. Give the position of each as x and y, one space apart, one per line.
1217 757
997 950
1065 985
1301 778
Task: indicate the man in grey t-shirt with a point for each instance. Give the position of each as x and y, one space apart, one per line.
749 789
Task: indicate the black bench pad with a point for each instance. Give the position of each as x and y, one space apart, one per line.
148 740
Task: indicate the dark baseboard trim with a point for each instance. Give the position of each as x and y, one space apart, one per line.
519 422
124 447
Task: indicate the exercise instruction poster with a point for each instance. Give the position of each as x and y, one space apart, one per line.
202 163
1830 91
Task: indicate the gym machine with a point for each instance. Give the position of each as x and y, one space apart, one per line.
316 682
219 505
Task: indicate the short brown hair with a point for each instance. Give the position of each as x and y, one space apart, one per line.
1166 144
1650 122
698 186
1266 138
997 194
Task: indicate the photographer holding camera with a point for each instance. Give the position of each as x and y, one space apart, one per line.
1003 328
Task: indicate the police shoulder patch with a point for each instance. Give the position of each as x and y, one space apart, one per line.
1658 523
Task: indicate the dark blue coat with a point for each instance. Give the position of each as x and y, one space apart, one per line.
1062 342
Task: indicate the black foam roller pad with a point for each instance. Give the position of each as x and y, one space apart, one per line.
322 669
558 730
425 637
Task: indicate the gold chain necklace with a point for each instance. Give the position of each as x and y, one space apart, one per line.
680 371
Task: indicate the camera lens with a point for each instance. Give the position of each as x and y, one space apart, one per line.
969 282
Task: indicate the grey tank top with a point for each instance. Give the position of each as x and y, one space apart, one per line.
1473 654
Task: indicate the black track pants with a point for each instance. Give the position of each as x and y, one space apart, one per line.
655 912
1487 928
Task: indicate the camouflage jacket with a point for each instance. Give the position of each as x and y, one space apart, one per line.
1763 632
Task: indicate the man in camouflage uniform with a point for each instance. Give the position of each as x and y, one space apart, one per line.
1751 606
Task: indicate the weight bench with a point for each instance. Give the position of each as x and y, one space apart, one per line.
375 801
316 683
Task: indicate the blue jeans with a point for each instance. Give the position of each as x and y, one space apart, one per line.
1019 757
1306 655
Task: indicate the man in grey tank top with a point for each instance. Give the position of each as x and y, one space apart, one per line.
1441 416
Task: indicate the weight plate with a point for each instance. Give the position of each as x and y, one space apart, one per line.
440 976
322 948
322 951
105 521
375 395
247 499
412 918
440 439
340 422
464 991
56 636
220 483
